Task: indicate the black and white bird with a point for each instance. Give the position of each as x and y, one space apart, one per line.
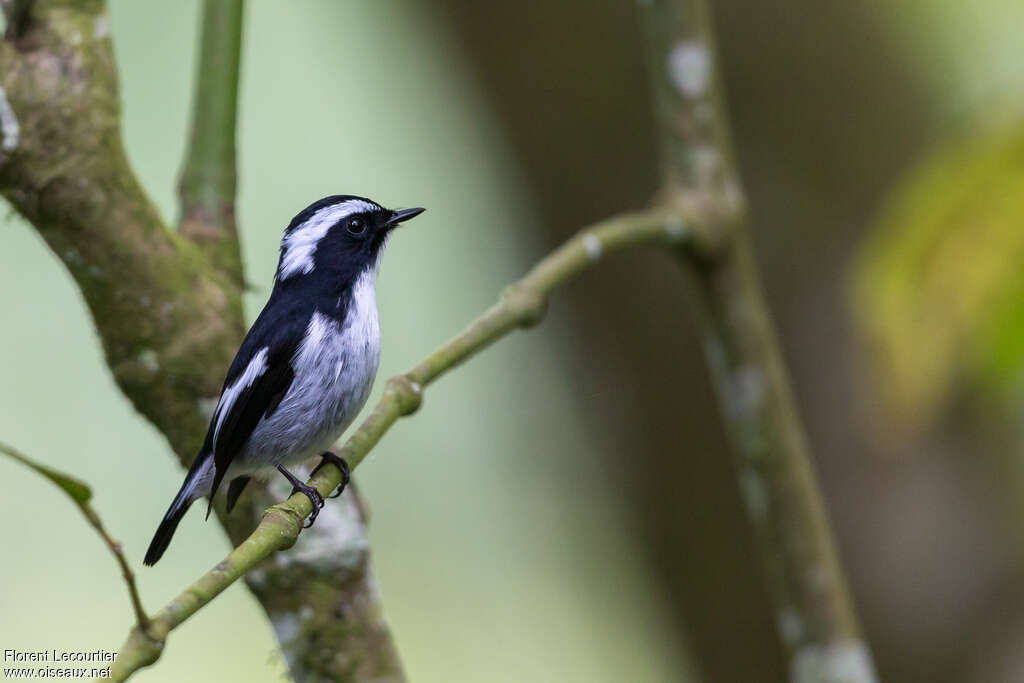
306 367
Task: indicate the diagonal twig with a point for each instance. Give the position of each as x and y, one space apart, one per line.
80 493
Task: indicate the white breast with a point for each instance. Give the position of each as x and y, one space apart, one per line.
335 366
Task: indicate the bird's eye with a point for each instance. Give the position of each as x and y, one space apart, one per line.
357 226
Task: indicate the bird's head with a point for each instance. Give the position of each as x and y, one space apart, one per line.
339 237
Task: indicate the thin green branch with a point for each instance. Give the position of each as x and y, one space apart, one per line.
208 180
522 304
813 609
80 494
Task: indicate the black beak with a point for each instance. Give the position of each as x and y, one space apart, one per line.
402 216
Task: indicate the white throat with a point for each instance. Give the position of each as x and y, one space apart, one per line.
361 318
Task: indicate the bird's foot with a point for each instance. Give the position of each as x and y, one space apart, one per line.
340 463
298 487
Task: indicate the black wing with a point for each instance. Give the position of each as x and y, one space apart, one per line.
259 378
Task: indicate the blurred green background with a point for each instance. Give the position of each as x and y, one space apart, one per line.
563 508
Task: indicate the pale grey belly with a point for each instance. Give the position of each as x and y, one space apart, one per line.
323 400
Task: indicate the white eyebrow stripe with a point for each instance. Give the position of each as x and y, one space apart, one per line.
256 367
299 246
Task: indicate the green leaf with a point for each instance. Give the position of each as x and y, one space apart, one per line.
939 287
75 488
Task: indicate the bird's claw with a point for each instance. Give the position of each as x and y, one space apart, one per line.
314 496
340 463
316 499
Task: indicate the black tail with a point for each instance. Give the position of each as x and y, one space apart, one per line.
164 532
179 506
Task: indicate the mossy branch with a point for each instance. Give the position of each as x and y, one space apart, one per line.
813 608
522 304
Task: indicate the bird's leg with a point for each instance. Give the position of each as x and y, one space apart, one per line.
314 496
338 462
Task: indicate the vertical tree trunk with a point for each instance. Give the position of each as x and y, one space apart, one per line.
813 610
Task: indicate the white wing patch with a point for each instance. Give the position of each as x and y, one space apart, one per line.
300 244
257 366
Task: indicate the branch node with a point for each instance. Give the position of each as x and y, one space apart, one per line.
143 648
706 220
407 392
525 303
